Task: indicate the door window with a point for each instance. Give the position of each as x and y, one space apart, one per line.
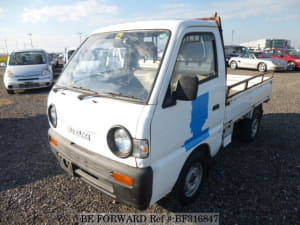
197 57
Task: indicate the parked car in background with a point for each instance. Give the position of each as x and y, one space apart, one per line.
60 59
53 57
291 56
68 54
233 51
258 61
28 69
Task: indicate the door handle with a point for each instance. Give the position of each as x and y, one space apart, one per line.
215 107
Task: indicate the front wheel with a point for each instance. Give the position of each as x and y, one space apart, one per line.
262 67
233 65
190 179
291 66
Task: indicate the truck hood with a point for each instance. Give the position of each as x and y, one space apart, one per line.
86 122
27 70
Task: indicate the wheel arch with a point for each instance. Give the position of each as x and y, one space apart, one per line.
202 151
203 148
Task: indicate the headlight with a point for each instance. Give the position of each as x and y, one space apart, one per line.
123 145
52 115
8 73
45 72
119 142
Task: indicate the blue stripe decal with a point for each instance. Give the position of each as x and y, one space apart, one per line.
199 117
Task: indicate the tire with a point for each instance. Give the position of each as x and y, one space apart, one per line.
10 92
191 177
249 128
262 67
233 65
291 66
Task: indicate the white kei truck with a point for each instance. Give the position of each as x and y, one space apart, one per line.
142 107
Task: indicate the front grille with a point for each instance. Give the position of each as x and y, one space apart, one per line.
28 79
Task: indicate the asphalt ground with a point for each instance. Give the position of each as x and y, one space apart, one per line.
256 183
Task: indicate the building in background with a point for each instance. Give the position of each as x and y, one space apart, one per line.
267 43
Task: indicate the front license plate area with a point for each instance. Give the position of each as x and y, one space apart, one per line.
29 85
66 164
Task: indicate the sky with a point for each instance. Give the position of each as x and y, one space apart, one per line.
56 24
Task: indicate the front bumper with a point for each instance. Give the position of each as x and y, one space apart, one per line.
27 84
97 170
277 68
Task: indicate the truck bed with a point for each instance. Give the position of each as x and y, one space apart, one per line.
244 93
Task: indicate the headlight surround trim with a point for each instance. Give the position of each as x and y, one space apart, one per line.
52 115
114 146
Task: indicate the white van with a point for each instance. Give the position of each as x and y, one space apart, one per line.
28 69
141 109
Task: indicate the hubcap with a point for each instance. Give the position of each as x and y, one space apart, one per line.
291 66
193 180
262 67
233 65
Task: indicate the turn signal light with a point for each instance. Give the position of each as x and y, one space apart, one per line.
123 178
53 141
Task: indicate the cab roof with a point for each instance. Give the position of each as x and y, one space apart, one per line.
171 25
29 50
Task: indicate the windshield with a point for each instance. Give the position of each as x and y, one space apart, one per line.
293 52
27 58
260 55
235 50
126 63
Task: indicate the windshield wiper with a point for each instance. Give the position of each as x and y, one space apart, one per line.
108 94
83 96
58 87
85 89
119 94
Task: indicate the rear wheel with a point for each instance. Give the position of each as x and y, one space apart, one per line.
291 66
262 67
233 65
249 128
187 187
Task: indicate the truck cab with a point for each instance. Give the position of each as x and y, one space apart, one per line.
141 109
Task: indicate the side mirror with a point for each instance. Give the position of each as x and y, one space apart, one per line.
3 64
187 88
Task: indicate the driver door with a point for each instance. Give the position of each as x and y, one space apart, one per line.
178 128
